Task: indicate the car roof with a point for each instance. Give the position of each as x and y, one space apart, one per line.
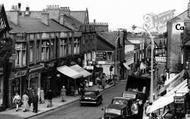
121 98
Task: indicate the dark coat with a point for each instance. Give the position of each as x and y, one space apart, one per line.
35 98
49 95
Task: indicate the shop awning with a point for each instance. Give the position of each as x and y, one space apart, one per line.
69 72
126 66
80 70
163 101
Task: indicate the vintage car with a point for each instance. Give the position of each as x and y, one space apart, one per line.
91 97
122 108
134 94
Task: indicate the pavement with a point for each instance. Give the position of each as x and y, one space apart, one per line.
42 108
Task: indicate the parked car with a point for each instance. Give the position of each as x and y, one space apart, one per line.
91 97
122 108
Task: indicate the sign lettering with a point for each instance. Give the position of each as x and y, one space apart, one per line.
158 22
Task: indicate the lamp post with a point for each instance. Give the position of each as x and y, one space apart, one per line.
152 58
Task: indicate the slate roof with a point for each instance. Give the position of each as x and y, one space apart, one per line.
72 22
110 37
33 25
79 15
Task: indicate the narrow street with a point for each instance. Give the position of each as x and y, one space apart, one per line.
75 111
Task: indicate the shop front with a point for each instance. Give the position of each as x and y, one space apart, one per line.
69 79
172 103
86 75
34 77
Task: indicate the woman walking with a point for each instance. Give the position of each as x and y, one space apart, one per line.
17 100
25 99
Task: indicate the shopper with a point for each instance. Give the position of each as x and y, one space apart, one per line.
35 102
17 100
25 99
63 92
49 98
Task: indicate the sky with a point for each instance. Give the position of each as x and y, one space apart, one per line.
117 13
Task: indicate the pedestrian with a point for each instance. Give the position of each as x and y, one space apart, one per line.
42 96
25 99
17 100
49 98
35 102
63 92
30 96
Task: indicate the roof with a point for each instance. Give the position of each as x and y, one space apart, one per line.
72 22
80 15
109 37
182 16
32 25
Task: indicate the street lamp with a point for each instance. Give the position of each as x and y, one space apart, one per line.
152 58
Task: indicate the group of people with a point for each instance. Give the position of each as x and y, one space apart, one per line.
28 98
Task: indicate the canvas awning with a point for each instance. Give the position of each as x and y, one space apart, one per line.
69 72
126 66
163 101
80 70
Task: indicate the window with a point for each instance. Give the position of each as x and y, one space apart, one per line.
63 48
20 54
69 47
45 51
31 52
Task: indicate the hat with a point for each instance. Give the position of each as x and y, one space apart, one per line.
63 86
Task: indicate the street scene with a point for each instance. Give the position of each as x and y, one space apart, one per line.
57 61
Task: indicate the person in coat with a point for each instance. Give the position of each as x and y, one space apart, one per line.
17 100
35 102
29 92
63 92
25 99
49 98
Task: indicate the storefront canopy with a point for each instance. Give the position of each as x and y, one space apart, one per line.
126 66
80 70
163 101
69 72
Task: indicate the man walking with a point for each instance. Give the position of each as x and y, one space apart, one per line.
35 102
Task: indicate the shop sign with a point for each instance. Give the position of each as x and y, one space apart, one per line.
34 75
158 22
20 73
160 59
50 64
179 99
36 67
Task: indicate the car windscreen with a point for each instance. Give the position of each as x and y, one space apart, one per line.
90 93
120 101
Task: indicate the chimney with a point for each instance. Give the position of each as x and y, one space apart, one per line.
27 11
13 16
188 9
65 10
94 20
45 18
19 6
61 19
